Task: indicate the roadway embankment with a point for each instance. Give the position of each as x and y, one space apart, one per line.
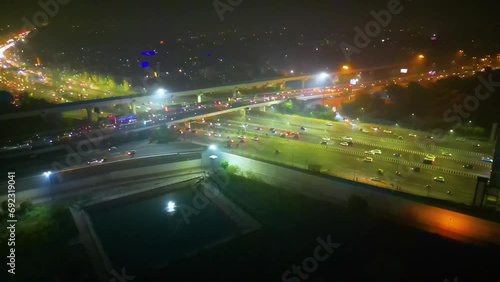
423 216
76 179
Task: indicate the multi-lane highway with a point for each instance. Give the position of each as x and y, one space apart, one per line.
69 160
348 161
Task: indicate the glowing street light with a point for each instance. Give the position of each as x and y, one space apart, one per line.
345 67
421 56
47 173
212 147
160 92
323 75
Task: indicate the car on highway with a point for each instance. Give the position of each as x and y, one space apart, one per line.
324 142
303 128
376 179
397 155
243 140
207 134
428 161
95 161
415 169
430 156
344 143
111 149
375 128
282 135
328 124
325 138
131 153
346 138
258 128
364 130
446 154
377 151
242 137
255 138
368 159
400 137
273 130
429 137
412 135
217 135
296 136
439 179
230 141
371 152
468 166
387 131
213 157
487 159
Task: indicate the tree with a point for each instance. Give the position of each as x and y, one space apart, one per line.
224 164
233 169
111 83
26 206
5 205
126 86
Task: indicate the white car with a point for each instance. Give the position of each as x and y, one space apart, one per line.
345 138
430 156
376 179
387 131
344 144
439 179
368 159
328 124
208 134
325 138
255 139
241 137
446 154
412 135
217 135
112 149
364 130
370 152
377 151
95 161
487 159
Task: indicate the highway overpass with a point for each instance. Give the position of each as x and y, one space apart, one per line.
134 100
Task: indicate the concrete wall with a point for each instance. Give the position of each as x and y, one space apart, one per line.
429 218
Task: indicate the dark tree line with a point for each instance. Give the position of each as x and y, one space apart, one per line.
471 101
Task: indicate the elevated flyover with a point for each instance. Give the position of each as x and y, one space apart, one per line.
133 100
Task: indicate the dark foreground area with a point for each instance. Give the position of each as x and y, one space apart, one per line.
364 247
301 240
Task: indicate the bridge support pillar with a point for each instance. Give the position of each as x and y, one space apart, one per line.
133 108
89 114
304 84
262 109
243 112
283 86
187 124
235 92
198 97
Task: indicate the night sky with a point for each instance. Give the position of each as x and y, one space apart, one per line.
176 17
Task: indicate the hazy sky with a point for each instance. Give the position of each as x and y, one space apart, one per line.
177 16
